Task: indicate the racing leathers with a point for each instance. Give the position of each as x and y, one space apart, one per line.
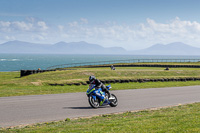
99 84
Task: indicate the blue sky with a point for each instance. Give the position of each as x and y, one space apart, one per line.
131 24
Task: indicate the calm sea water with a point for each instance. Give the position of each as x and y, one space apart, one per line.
16 62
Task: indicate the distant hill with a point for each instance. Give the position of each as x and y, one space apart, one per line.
22 47
58 48
176 48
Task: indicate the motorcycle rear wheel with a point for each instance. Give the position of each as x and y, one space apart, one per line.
93 103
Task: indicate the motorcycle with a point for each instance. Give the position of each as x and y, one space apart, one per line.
96 97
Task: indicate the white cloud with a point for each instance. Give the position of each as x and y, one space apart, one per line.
73 24
10 38
131 36
42 25
176 30
38 37
61 28
135 36
4 26
84 21
30 30
21 26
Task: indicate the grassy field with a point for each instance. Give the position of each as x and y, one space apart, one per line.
183 118
12 85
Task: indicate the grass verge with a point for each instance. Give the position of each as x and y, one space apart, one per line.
12 85
183 118
12 90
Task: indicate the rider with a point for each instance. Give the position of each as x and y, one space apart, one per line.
98 84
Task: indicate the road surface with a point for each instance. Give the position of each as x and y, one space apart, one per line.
22 110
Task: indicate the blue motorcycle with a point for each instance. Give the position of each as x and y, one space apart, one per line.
96 97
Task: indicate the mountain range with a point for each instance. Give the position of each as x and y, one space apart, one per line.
58 48
176 48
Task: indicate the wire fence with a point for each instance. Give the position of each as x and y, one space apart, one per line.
65 66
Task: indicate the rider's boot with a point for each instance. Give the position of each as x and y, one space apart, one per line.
102 102
110 97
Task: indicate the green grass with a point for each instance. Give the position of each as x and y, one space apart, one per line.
12 85
12 90
183 118
82 74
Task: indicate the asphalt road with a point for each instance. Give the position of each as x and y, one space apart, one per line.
22 110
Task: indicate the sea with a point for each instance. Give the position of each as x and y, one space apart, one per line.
17 62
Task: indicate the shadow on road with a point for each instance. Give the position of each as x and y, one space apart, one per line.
77 108
85 107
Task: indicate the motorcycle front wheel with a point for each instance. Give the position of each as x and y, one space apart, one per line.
113 102
93 103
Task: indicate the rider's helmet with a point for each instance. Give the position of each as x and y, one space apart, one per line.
92 78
